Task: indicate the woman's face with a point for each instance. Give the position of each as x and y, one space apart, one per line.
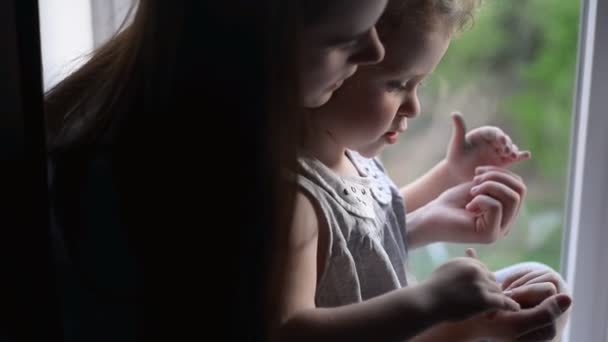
333 46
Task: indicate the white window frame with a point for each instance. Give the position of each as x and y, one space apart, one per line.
584 254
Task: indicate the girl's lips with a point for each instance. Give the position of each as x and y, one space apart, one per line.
391 137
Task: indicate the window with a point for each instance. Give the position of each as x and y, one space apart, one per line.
514 69
517 69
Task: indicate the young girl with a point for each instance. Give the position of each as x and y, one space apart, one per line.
348 245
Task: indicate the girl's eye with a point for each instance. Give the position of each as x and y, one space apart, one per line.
356 41
397 86
350 44
353 41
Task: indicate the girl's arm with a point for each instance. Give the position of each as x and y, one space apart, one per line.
457 290
395 316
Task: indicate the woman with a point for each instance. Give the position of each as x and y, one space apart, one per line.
132 155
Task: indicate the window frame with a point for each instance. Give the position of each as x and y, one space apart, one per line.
583 255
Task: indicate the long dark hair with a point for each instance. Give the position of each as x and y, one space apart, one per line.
150 101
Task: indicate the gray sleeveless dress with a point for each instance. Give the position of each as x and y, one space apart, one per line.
367 247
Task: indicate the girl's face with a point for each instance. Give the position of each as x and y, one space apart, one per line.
372 108
331 49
